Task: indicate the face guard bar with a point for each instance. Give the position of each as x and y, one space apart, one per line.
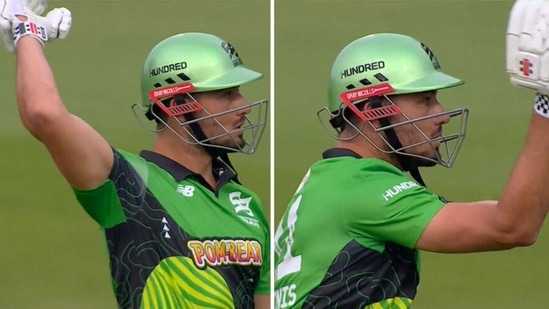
253 130
450 144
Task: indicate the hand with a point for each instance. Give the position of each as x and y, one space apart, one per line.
8 10
528 45
19 18
35 6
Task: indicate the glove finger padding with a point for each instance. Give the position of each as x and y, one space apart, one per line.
527 44
36 7
61 21
56 24
8 11
7 15
7 35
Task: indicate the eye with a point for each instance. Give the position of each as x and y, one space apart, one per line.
428 99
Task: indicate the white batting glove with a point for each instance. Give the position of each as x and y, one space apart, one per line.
56 24
528 45
8 10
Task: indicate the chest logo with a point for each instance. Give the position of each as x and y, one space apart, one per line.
242 208
186 190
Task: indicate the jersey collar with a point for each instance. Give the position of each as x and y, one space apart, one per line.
339 152
180 172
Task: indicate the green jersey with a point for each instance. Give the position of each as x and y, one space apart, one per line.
347 238
175 242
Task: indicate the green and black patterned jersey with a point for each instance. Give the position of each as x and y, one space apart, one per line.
173 241
347 238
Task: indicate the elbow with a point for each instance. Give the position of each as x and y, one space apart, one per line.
527 239
37 123
520 237
40 119
40 110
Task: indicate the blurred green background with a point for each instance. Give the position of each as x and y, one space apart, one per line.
468 37
53 256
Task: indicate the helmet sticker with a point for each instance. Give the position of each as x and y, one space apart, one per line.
168 68
376 65
367 92
432 56
364 93
156 95
233 54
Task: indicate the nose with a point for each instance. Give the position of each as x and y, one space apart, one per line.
243 106
444 118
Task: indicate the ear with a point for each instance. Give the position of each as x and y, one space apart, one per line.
177 100
367 106
364 105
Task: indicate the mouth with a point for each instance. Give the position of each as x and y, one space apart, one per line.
436 140
239 125
437 136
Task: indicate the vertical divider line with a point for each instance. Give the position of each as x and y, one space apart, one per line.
272 149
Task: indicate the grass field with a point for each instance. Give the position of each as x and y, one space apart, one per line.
53 255
468 38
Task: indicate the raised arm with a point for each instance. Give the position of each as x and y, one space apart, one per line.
516 219
81 154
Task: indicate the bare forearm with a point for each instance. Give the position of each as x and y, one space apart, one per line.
525 199
82 155
37 95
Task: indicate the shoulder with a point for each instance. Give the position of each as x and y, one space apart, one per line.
126 162
123 154
368 182
353 173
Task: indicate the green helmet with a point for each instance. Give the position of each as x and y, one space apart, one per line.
406 64
381 65
187 63
203 60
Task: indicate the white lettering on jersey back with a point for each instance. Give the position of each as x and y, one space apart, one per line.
390 193
285 297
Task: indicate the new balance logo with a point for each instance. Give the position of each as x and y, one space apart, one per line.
185 190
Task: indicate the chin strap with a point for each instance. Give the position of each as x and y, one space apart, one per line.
198 133
404 161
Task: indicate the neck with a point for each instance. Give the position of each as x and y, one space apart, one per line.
193 157
365 149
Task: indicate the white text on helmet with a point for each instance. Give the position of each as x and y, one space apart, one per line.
168 68
376 65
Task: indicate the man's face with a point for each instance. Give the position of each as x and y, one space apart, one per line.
415 106
225 129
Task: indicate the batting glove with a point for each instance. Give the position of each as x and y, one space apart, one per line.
56 24
528 45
